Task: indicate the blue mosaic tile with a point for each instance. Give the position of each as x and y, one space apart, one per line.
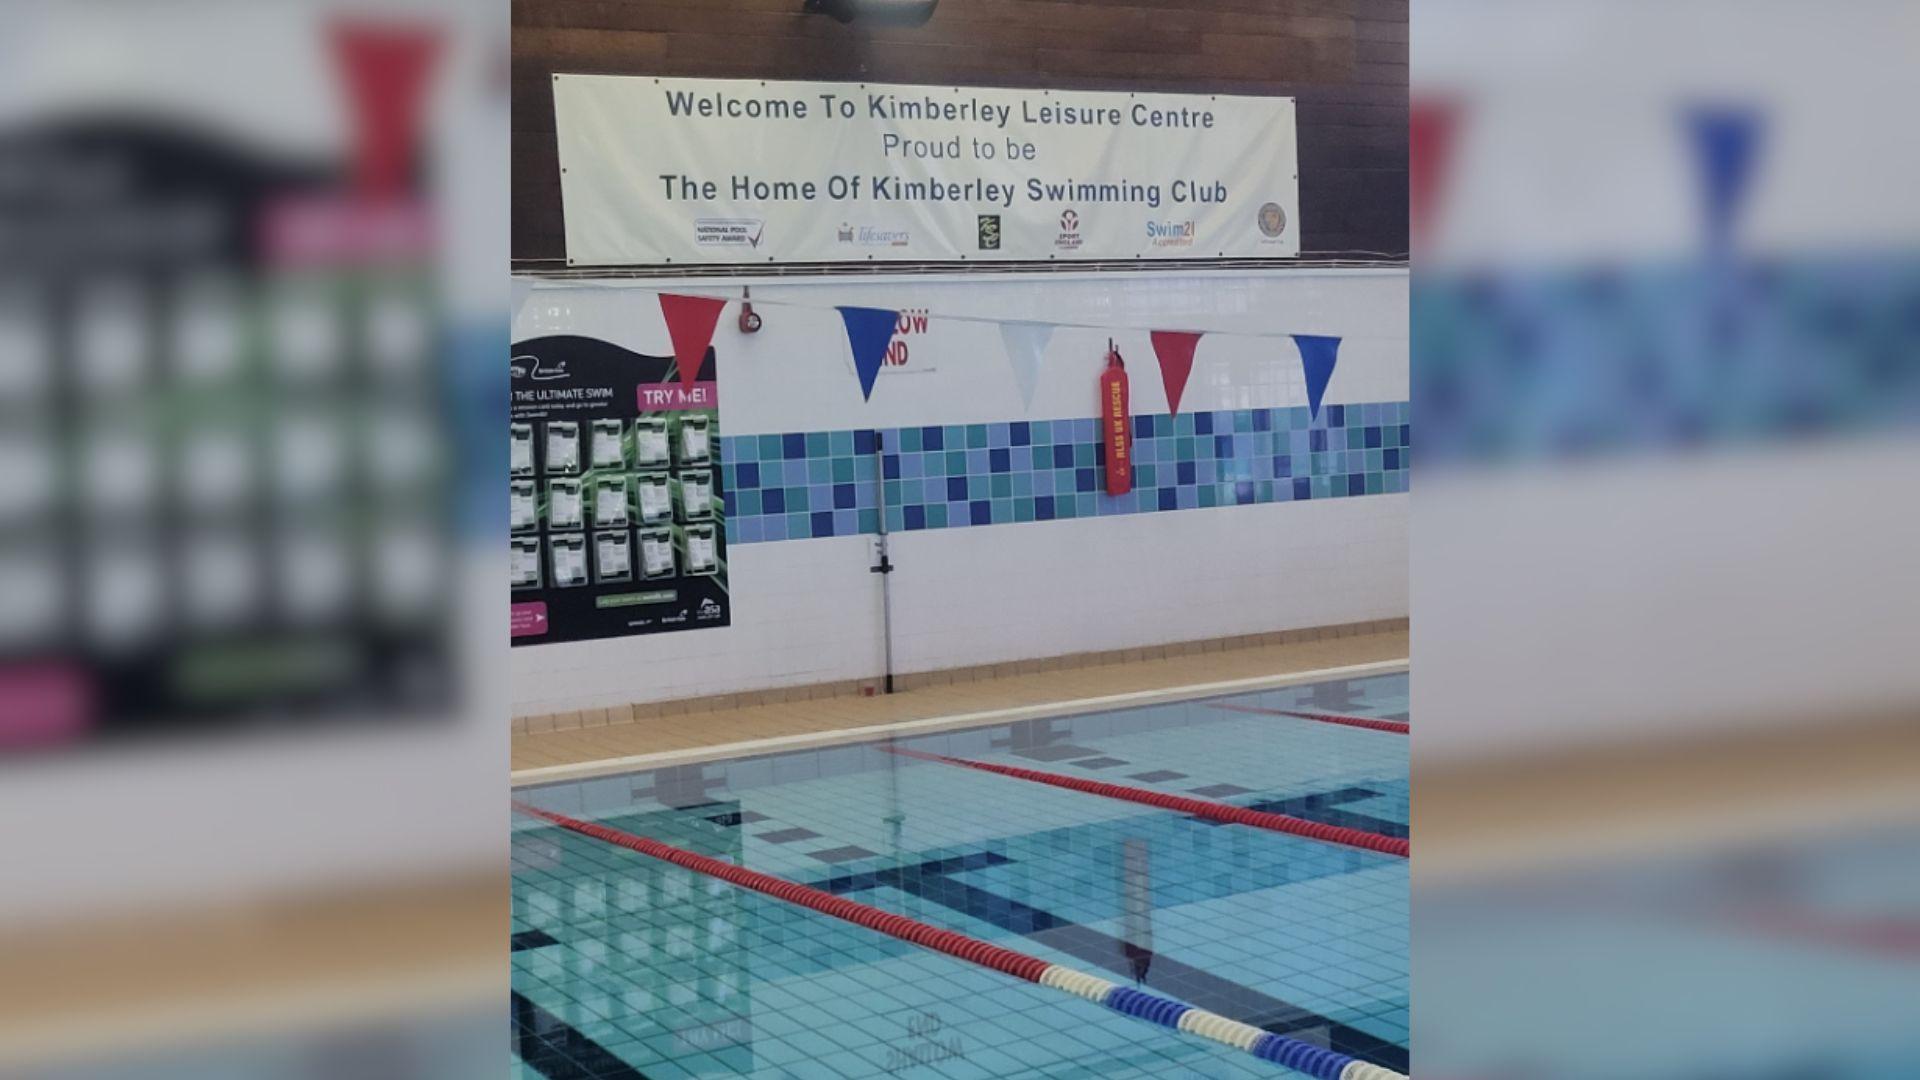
815 484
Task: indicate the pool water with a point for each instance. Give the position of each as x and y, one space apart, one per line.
629 967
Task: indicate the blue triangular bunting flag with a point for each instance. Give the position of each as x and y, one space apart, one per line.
1317 357
1025 342
869 332
1725 140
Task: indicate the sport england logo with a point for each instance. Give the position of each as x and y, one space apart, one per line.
1272 221
989 232
1068 238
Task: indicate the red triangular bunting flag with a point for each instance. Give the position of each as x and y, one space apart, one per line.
1175 350
386 69
1431 125
690 323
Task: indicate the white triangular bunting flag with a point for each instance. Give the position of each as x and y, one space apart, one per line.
1025 342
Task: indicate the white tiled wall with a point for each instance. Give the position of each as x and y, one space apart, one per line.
809 610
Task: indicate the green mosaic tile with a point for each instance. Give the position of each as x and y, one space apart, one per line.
1209 495
843 470
1376 483
937 516
819 471
956 463
1183 449
1022 484
910 440
1003 483
840 444
1023 509
976 436
869 521
1002 511
817 445
1041 431
747 503
769 447
796 499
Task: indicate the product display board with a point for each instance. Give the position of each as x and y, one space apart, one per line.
615 512
656 171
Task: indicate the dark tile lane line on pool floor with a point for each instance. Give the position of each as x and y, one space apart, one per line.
1194 985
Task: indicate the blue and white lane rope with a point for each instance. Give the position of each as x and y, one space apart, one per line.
1294 1054
1303 1057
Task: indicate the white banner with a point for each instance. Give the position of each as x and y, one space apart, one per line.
741 171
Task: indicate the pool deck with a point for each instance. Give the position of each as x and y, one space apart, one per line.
572 753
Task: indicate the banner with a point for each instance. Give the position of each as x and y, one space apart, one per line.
656 171
615 506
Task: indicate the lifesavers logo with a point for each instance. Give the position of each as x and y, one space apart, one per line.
709 609
989 232
728 232
1162 234
1069 237
874 236
1272 221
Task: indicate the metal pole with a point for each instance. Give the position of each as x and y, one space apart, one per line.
885 566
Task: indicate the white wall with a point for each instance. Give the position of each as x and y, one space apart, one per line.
809 611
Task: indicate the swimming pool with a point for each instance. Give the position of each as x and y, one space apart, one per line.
628 966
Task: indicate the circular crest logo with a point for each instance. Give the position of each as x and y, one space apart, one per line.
1069 221
1273 220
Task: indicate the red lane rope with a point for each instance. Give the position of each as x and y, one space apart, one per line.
1213 811
1367 722
1019 965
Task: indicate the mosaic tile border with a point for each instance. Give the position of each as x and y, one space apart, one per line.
803 485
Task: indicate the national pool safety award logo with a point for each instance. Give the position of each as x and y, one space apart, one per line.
989 232
1272 221
729 232
1069 236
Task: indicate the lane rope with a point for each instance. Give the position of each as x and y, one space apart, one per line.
1320 1063
1206 808
1367 722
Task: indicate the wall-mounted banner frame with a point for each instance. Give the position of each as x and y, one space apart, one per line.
657 171
616 518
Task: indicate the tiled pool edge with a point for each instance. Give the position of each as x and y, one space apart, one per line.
586 770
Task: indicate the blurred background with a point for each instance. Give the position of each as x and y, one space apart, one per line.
1666 360
252 761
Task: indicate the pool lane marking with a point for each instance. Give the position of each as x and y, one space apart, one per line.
1205 808
813 740
931 881
1304 1057
1366 722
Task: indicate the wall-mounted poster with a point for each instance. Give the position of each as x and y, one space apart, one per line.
616 520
